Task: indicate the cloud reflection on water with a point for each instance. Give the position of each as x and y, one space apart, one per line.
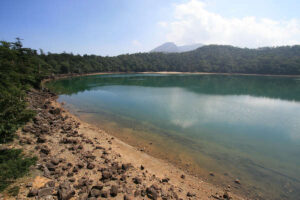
187 109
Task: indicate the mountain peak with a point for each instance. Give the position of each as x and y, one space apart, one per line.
170 47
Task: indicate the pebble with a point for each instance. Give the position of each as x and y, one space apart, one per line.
237 181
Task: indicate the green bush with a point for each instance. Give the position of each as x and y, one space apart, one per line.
13 113
13 165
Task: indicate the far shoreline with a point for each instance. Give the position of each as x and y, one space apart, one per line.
167 73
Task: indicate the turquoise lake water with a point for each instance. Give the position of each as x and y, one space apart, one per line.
245 127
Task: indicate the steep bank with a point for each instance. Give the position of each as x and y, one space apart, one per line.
78 160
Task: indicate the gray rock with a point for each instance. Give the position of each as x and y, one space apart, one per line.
80 165
33 192
137 180
98 187
75 169
65 192
45 191
46 172
50 166
190 194
165 180
114 190
137 193
72 180
106 175
83 196
45 149
48 197
237 181
55 111
95 193
104 194
55 161
90 165
151 193
127 197
41 139
126 166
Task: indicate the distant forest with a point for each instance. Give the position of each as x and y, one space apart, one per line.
211 58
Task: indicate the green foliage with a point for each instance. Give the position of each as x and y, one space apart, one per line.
18 72
13 191
13 165
212 58
13 113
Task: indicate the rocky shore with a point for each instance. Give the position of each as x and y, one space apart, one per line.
79 161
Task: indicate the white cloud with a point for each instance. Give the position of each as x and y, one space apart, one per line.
136 43
193 23
163 24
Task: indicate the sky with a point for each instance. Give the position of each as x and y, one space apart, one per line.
113 27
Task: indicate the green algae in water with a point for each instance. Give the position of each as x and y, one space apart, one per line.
245 127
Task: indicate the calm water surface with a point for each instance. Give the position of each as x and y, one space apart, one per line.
244 127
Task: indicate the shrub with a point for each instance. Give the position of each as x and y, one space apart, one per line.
13 165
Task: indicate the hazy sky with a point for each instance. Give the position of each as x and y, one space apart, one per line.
112 27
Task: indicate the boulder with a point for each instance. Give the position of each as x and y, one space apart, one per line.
55 161
83 196
55 111
106 175
95 192
33 192
45 191
104 194
50 166
137 180
99 186
165 180
114 190
191 194
45 149
48 197
41 139
151 193
65 191
127 197
237 181
90 165
126 166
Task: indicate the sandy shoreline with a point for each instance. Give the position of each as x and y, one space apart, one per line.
55 136
160 168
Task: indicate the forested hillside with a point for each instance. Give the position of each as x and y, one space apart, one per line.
213 58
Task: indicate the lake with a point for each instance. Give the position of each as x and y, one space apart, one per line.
218 127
